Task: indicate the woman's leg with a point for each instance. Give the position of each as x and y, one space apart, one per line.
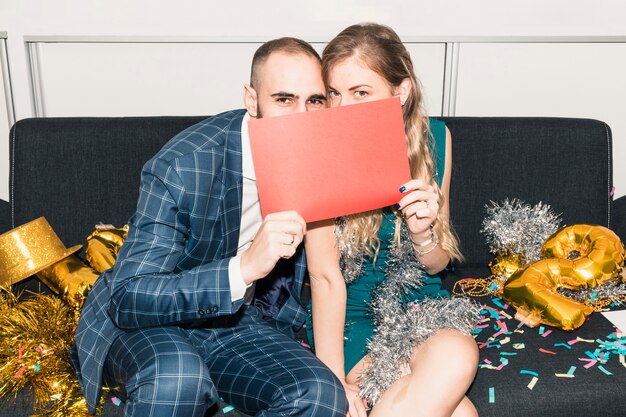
440 371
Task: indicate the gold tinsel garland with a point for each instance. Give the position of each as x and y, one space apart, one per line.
37 330
36 333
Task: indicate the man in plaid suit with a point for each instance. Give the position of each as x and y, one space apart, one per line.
205 294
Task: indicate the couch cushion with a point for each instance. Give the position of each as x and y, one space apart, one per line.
565 163
78 172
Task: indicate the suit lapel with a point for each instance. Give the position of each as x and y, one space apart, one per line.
233 185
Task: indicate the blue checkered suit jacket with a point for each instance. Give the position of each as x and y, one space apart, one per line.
173 267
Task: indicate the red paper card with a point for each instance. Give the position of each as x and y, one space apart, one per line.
331 162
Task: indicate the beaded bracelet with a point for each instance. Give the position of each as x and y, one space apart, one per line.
422 254
430 240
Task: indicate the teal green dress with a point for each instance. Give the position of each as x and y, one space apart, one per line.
359 327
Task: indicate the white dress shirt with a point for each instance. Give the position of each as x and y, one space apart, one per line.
251 219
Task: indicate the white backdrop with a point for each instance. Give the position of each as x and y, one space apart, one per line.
318 21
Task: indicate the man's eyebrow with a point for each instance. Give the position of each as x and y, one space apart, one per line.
317 97
284 94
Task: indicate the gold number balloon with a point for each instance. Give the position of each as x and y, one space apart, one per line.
577 257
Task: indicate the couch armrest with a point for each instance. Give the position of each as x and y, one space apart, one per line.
618 217
5 216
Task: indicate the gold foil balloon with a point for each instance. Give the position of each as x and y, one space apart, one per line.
103 246
71 279
576 257
505 264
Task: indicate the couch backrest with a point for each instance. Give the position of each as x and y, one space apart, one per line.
563 162
78 172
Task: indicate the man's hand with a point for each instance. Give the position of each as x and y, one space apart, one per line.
278 237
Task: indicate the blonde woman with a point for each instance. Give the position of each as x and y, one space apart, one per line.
379 318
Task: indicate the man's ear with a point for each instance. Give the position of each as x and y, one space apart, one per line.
250 99
404 90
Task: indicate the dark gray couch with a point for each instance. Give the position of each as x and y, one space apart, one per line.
78 172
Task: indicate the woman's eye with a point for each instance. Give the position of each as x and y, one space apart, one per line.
360 94
333 93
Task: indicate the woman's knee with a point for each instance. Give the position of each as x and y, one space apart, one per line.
459 350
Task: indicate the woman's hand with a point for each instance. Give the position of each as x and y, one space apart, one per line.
419 206
357 405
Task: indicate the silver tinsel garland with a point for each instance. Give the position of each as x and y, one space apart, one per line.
518 228
612 291
400 326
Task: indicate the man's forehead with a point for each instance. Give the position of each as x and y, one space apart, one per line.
291 74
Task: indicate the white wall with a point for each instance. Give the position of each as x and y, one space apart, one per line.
254 21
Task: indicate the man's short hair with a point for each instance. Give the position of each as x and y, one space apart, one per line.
288 45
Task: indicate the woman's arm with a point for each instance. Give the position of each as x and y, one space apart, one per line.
328 294
420 208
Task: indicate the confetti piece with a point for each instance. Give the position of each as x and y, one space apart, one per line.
571 370
487 361
55 397
493 313
508 316
541 329
303 343
546 333
532 383
527 372
492 395
227 409
564 375
571 342
580 339
590 364
502 326
37 367
20 372
509 353
505 340
546 351
600 367
519 346
497 302
116 401
565 345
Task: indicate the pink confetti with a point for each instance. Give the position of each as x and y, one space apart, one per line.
547 332
547 351
20 372
571 342
590 364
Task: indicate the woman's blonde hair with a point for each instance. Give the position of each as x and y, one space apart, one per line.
380 49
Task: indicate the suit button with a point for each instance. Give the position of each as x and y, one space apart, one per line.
215 309
201 312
